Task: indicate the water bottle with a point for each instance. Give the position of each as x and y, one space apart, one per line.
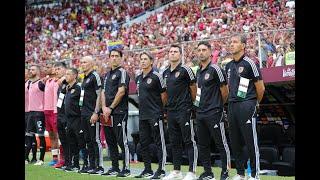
248 168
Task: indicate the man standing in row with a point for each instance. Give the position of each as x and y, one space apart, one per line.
212 93
246 91
36 121
28 136
73 120
181 89
115 110
152 96
50 116
60 70
90 108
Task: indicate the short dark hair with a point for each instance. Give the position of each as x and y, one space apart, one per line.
205 43
243 38
116 50
74 71
60 64
176 46
147 54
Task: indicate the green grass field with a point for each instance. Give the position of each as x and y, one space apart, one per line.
46 172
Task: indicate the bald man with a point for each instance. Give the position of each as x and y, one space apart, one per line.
90 107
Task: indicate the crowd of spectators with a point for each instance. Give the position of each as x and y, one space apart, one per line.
72 30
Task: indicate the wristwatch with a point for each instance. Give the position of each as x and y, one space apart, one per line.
97 112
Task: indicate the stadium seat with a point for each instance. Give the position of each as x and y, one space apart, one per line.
268 155
288 140
286 167
270 134
291 133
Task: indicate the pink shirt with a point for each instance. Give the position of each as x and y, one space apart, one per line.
55 96
36 97
215 55
26 97
49 95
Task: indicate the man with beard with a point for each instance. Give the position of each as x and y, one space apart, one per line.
36 122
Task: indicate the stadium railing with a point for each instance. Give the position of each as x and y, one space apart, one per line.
261 45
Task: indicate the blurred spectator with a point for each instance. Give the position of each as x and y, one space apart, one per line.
279 60
290 55
72 30
270 60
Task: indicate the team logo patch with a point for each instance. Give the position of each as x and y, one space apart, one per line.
206 77
149 80
88 80
240 69
177 74
113 77
72 91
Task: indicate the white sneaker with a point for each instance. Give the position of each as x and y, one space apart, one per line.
190 176
173 175
26 162
39 163
251 178
238 177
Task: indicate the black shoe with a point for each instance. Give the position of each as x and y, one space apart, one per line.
33 161
224 175
111 172
124 173
72 169
145 174
97 171
90 170
159 174
68 168
206 176
84 170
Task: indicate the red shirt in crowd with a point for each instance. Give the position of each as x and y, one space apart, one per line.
201 26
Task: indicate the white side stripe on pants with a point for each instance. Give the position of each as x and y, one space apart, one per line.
225 143
194 144
255 142
99 144
163 146
125 143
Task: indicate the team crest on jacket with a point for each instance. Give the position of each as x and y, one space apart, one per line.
206 77
240 69
113 77
88 80
72 91
149 81
177 74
